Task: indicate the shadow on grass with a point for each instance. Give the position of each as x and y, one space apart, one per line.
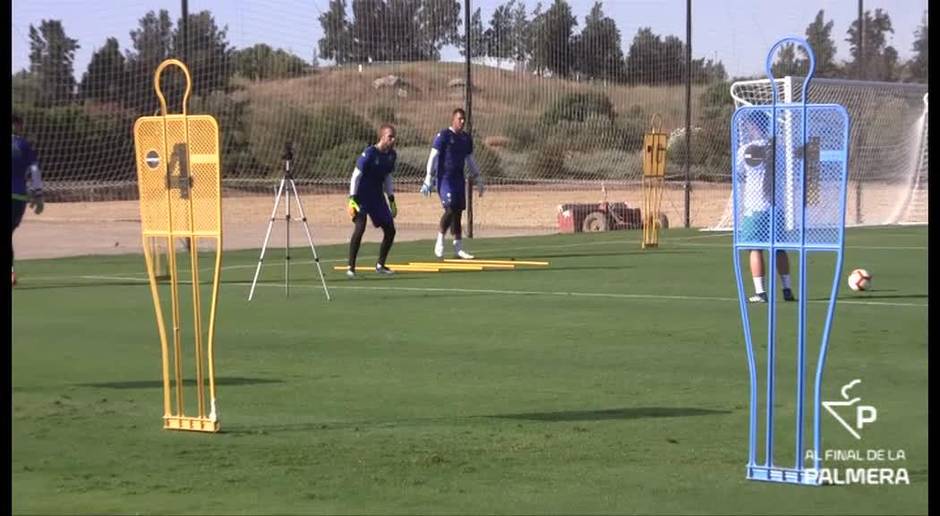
583 415
621 413
157 384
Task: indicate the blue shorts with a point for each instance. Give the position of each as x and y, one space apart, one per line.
378 211
453 198
755 228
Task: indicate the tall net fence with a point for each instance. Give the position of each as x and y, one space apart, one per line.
888 143
557 110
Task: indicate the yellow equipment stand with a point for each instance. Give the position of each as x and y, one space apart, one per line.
654 171
178 175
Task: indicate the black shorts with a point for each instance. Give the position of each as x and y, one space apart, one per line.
16 215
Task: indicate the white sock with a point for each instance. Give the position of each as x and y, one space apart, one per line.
440 239
458 245
786 280
759 285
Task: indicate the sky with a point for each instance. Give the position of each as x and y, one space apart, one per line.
736 32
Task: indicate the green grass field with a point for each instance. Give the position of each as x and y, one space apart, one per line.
614 381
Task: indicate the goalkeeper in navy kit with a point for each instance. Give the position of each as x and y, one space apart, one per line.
452 148
27 183
371 182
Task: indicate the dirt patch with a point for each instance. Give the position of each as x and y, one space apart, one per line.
83 228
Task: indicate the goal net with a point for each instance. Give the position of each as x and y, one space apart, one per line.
888 144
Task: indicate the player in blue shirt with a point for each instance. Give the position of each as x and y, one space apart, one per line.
755 161
452 148
371 182
27 182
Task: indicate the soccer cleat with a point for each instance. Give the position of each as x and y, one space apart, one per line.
464 255
788 295
439 249
381 269
350 273
758 298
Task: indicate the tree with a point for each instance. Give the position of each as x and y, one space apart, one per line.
261 62
918 65
477 44
598 49
520 32
403 35
368 32
153 43
878 61
105 79
532 28
552 40
25 89
336 43
819 37
50 58
206 52
786 61
653 60
498 38
438 25
707 71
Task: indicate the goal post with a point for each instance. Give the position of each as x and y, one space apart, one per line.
888 163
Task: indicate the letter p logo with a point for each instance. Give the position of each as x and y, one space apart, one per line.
865 414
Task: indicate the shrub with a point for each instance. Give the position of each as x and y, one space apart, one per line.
74 144
575 107
546 161
521 134
382 113
488 161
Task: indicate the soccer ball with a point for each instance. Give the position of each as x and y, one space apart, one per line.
859 279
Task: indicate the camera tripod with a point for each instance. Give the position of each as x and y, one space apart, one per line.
287 179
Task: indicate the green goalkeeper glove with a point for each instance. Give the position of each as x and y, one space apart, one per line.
35 202
392 206
352 207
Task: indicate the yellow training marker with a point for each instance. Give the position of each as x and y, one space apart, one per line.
463 265
449 266
179 180
654 170
498 262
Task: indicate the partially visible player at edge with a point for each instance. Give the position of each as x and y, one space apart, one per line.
371 181
27 183
755 160
452 148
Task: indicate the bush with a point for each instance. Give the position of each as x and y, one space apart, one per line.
546 161
338 163
312 133
521 134
381 114
699 149
335 163
74 144
605 164
488 161
576 107
236 155
409 136
634 124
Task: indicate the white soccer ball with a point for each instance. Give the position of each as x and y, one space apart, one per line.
859 279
